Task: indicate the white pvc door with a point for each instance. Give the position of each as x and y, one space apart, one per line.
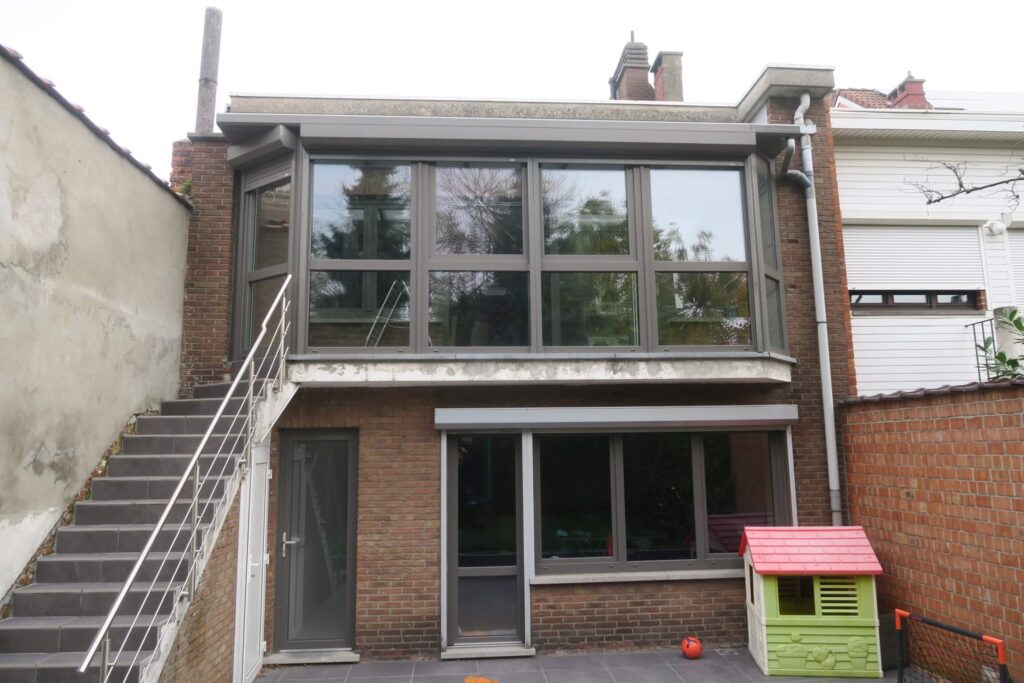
252 547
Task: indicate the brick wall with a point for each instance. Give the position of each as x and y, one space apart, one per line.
181 164
938 483
204 647
206 320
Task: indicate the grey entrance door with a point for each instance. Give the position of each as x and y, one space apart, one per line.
316 542
485 577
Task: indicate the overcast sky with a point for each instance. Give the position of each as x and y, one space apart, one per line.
134 64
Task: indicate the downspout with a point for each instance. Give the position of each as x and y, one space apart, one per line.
805 179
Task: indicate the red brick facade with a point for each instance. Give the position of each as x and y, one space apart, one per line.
181 166
206 322
938 483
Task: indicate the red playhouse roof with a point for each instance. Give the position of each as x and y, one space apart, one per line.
806 550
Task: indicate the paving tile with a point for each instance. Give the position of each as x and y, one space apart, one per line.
463 666
559 662
615 659
512 676
710 674
512 664
643 674
577 676
315 672
378 669
268 675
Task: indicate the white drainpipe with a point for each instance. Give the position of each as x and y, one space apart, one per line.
805 179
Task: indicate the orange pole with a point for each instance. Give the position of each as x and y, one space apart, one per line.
900 615
1000 647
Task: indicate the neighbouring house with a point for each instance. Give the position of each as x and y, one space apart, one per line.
530 369
924 278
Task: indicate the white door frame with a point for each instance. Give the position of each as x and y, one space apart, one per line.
251 570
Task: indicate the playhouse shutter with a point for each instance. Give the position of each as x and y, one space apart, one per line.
837 596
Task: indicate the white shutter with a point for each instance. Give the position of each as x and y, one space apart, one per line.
899 257
1016 238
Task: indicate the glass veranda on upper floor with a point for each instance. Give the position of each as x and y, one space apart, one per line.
528 254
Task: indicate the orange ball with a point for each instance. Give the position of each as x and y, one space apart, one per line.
691 647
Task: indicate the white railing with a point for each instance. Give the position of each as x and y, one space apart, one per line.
196 497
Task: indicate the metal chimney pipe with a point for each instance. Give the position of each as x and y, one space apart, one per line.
206 104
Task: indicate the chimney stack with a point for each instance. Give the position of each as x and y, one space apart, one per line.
630 79
909 94
668 77
206 104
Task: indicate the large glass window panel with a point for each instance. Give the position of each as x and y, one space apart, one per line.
261 296
584 211
738 482
658 484
479 209
698 215
589 309
575 496
270 242
773 294
488 606
703 309
359 308
767 210
361 210
487 500
479 308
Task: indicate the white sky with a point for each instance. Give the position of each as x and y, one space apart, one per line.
134 64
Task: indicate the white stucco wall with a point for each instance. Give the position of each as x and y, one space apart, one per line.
92 257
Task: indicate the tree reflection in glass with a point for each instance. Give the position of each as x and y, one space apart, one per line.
479 308
361 211
479 210
585 211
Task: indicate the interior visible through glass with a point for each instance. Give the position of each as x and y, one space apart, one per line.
584 211
356 308
658 482
361 210
589 309
487 500
479 308
261 295
697 215
318 571
703 308
575 496
738 481
479 209
273 205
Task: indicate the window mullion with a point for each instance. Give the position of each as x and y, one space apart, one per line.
700 515
645 255
618 501
755 256
534 218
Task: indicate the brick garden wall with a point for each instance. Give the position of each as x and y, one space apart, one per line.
938 483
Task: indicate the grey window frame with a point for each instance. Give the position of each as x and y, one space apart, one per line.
930 307
760 224
705 560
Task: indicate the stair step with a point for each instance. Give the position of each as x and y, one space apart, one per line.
88 599
75 634
110 567
118 538
136 444
199 406
169 425
136 511
62 667
220 389
149 487
168 465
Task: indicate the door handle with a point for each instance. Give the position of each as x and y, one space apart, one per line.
285 542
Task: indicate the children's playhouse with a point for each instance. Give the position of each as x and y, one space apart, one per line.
811 607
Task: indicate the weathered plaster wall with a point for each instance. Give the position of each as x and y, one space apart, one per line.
92 256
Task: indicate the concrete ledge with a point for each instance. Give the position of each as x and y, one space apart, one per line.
487 651
312 657
630 577
445 371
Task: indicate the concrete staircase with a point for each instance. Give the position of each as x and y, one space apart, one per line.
54 620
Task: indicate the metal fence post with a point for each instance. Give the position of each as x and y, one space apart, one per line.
105 658
193 545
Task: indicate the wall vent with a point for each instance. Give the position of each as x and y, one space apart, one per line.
837 596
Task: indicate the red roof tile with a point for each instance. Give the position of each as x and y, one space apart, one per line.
805 550
865 97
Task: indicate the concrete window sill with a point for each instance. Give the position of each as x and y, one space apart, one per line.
628 577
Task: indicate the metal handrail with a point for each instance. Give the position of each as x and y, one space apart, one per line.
194 515
982 332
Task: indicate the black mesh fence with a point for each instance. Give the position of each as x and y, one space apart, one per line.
933 652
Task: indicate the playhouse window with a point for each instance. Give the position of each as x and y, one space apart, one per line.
796 595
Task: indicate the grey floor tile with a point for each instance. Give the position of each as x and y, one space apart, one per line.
559 662
710 674
512 664
377 669
516 676
614 659
463 666
577 676
268 675
643 674
315 672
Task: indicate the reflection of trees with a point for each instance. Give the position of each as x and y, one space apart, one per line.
479 308
659 493
590 309
479 210
372 220
578 225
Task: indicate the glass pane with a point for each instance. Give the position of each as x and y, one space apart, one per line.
361 211
272 217
319 561
479 309
585 211
359 308
698 215
906 298
479 210
954 299
862 298
703 308
796 595
261 295
487 500
575 496
488 606
767 210
658 479
590 309
738 480
773 293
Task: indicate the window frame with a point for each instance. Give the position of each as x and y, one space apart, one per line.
705 559
930 307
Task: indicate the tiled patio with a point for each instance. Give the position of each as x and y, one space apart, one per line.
716 666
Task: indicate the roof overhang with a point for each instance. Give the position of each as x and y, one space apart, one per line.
927 126
618 417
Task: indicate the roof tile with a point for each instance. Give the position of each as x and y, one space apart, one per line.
810 550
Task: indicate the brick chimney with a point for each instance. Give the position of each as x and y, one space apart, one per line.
668 77
909 94
630 79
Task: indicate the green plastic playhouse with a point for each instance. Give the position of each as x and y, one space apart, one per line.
811 608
